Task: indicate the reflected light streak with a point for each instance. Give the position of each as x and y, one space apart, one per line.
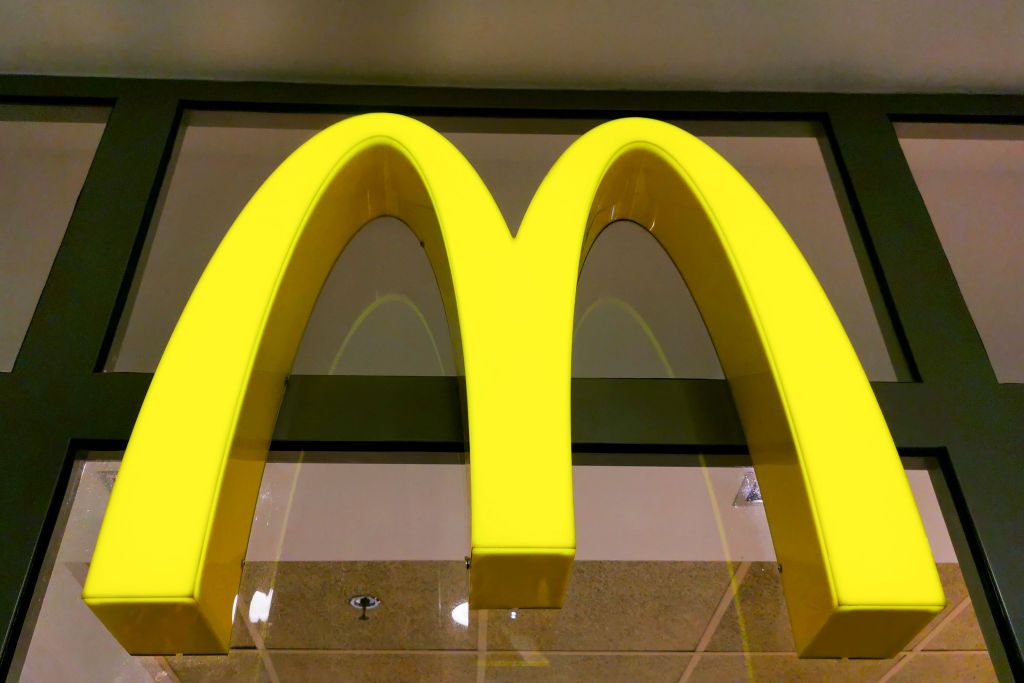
366 312
635 316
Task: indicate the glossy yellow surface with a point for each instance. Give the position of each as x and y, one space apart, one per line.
859 576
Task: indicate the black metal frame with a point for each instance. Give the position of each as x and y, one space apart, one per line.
970 428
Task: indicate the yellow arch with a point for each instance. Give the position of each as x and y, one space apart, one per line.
859 576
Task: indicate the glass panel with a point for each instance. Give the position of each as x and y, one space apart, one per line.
220 160
45 153
380 312
971 177
674 581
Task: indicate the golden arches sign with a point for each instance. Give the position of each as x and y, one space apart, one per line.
859 577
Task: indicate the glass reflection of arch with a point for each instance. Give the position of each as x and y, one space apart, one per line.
399 300
634 316
859 576
627 263
383 259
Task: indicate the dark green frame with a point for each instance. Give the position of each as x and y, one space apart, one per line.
952 413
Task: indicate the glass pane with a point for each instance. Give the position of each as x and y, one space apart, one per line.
45 153
674 581
380 312
220 160
971 177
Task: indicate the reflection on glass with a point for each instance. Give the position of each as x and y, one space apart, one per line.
379 312
634 315
672 582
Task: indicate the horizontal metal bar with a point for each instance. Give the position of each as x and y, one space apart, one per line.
426 413
321 96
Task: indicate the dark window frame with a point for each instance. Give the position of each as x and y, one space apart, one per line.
952 415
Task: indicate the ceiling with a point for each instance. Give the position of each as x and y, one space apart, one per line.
803 45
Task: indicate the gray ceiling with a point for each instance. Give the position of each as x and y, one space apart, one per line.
795 45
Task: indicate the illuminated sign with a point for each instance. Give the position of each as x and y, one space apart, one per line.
859 577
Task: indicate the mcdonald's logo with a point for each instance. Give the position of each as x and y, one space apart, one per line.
858 574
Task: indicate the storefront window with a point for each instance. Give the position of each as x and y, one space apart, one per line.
675 580
675 576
